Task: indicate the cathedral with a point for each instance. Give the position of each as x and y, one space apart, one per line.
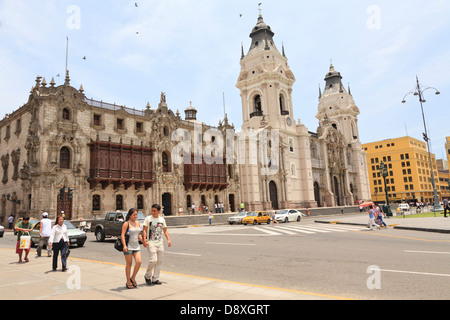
63 152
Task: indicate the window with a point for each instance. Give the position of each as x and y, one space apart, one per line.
66 114
258 104
119 202
97 120
139 128
140 202
120 125
64 158
96 202
165 162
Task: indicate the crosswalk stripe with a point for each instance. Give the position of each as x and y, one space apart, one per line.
284 230
312 229
265 230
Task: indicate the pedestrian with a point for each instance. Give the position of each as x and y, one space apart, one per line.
446 208
210 217
242 206
10 222
222 207
372 218
154 227
216 207
380 220
193 209
23 227
132 249
59 242
274 220
45 231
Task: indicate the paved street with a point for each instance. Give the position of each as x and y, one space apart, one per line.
294 261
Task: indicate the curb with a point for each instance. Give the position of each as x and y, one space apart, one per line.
394 227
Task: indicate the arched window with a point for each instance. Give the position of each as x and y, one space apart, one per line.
64 158
281 103
257 103
165 162
66 114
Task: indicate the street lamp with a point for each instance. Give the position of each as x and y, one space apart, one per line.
419 91
384 173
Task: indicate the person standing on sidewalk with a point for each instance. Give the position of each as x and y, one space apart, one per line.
154 227
11 222
22 228
132 249
59 242
45 231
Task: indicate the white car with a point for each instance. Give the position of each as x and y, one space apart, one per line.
288 215
237 218
2 231
404 206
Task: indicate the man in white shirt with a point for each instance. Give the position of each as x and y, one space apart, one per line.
154 227
45 232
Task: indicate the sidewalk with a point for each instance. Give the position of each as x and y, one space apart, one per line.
438 224
106 281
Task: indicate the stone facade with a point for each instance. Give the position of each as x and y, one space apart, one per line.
114 158
327 168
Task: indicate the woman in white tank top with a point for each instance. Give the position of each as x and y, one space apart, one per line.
132 228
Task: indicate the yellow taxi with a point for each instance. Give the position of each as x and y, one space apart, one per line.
256 218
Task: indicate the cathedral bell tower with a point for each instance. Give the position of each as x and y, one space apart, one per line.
338 106
266 83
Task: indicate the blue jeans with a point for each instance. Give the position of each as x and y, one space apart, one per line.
57 247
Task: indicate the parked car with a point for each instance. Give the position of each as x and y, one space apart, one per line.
256 218
237 218
2 231
111 225
76 236
404 206
288 215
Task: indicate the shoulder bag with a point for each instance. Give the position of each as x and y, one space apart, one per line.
118 245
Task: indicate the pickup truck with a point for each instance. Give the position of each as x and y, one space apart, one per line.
111 225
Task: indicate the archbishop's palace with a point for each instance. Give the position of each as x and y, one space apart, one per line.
116 158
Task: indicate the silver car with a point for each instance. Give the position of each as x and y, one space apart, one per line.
76 236
237 218
2 231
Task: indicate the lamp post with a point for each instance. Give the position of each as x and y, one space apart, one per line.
419 91
384 173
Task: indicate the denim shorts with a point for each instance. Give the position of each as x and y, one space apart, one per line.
131 252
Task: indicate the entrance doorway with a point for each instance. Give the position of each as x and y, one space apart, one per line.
273 195
167 204
231 202
317 194
67 207
337 194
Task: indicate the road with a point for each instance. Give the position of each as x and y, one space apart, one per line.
331 260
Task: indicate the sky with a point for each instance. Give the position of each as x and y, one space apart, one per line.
191 49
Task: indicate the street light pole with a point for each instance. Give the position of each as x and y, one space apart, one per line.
419 91
384 173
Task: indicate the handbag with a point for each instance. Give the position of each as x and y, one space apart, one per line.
25 242
118 245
